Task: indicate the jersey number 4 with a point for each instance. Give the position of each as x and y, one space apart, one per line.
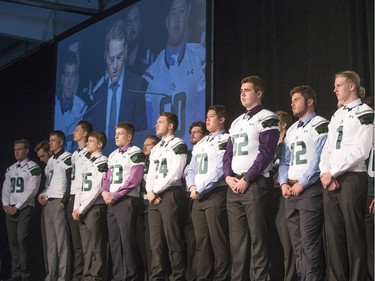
161 167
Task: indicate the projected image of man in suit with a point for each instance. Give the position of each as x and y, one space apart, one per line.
117 98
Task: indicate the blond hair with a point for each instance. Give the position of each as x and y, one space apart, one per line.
353 77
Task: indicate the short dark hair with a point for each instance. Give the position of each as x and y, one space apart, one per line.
99 136
129 127
171 118
25 142
86 126
153 138
44 145
220 111
70 59
306 91
59 134
257 82
201 125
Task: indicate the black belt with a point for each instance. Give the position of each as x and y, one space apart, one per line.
237 176
176 187
292 182
171 188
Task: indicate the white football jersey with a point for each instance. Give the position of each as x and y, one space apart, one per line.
93 173
167 163
244 134
21 184
55 171
176 87
79 158
120 164
301 144
207 158
349 140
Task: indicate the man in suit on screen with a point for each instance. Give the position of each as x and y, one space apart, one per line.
118 97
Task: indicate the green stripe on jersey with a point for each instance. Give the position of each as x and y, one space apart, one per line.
68 161
367 118
180 149
138 157
322 128
36 171
103 167
223 145
272 122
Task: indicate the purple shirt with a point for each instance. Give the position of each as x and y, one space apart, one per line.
267 148
134 179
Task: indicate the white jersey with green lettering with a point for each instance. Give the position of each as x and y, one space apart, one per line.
244 133
301 144
120 163
349 140
79 158
55 171
93 173
208 156
21 184
167 163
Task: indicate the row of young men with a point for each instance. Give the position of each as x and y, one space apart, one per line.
321 171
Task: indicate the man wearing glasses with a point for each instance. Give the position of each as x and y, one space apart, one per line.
118 98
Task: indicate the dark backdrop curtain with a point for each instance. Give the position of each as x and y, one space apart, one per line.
289 43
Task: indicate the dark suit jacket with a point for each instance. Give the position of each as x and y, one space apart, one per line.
132 107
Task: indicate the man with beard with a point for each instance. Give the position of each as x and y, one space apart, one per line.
139 57
300 184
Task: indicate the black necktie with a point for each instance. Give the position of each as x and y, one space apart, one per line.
300 123
162 143
113 111
18 165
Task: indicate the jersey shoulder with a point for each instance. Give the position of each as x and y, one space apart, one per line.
102 163
222 141
34 168
136 155
320 125
151 71
178 146
365 114
66 158
268 119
